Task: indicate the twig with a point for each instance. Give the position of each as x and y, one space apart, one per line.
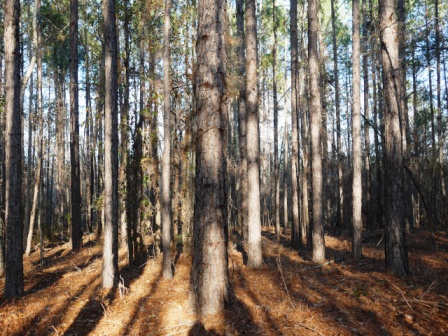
401 294
429 289
77 268
307 328
380 240
279 265
104 308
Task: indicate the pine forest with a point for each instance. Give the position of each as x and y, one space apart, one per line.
244 167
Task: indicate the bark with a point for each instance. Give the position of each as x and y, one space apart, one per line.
209 272
60 148
368 178
356 137
166 155
395 237
2 170
315 125
242 119
90 185
428 63
276 163
339 157
285 176
13 175
110 249
296 238
254 252
404 119
440 136
76 201
124 151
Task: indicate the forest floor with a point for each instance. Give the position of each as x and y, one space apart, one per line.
289 295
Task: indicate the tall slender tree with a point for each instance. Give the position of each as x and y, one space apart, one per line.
253 139
166 156
76 231
315 123
356 137
242 119
274 92
110 249
395 237
295 232
209 272
340 193
13 174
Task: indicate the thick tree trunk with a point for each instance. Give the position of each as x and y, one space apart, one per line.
254 252
209 273
13 177
76 201
315 123
110 249
395 247
356 129
166 156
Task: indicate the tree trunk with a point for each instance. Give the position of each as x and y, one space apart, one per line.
166 156
254 252
428 64
356 129
340 193
209 272
315 123
39 143
440 136
90 184
110 249
368 178
276 163
395 247
296 238
76 201
124 131
13 177
60 148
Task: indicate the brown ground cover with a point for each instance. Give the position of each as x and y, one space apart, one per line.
289 295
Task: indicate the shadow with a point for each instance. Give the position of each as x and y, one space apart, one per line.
198 329
133 315
45 279
179 250
90 315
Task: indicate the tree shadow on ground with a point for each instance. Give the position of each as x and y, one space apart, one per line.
90 314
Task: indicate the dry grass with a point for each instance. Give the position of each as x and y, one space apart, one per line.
289 295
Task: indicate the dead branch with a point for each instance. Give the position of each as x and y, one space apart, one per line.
400 293
279 265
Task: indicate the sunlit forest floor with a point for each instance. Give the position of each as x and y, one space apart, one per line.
289 295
